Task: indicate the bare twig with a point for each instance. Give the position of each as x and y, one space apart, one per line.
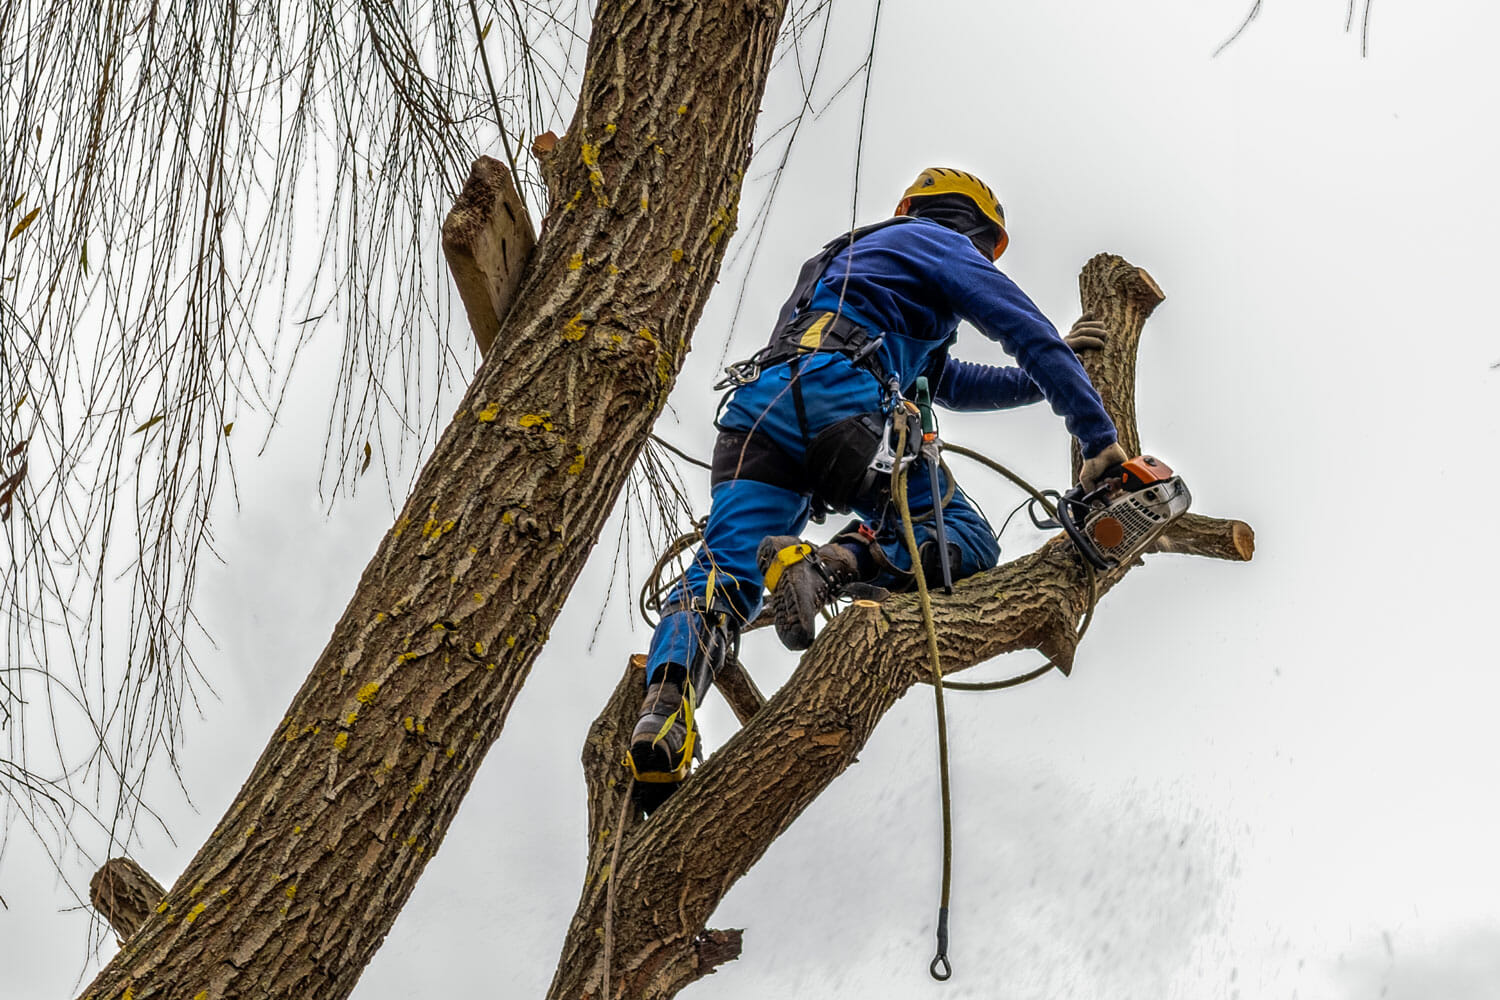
191 195
1254 13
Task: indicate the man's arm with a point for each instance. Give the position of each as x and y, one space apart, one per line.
999 309
964 385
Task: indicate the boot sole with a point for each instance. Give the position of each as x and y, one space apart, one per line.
649 759
794 628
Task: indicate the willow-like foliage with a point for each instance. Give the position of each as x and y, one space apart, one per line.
192 192
199 200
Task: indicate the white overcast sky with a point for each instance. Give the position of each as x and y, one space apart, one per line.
1266 780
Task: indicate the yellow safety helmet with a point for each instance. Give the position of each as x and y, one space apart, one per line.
946 180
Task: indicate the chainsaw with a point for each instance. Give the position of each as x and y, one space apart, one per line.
1133 504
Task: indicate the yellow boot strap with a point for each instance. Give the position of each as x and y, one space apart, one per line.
789 556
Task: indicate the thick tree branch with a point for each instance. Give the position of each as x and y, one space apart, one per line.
1123 296
304 875
1213 537
675 868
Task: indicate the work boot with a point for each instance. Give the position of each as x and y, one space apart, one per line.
801 580
662 743
659 745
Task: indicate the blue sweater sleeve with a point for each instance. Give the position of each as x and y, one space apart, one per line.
985 297
964 385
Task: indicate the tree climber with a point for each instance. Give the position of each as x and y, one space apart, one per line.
800 431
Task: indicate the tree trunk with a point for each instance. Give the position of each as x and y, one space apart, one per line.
669 873
304 875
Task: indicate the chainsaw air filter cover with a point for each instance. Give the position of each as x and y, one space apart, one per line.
1119 521
1132 521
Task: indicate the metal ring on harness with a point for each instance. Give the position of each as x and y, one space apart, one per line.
740 373
810 332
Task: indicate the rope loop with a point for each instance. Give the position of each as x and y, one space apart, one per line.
941 968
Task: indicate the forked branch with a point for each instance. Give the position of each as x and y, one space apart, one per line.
671 872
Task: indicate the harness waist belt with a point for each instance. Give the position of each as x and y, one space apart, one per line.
818 332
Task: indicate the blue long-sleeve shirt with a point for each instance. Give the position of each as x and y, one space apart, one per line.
915 281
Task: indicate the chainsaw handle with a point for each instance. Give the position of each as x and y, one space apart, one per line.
1047 523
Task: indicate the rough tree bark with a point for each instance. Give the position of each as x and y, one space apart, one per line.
302 878
669 873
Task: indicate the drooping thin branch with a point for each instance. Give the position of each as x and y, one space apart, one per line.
1364 32
161 170
1364 28
1254 13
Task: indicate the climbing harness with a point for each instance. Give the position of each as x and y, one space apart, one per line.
799 332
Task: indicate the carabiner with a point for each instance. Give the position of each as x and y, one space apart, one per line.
741 373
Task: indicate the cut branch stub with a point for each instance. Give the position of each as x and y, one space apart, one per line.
125 895
1122 296
487 240
1213 537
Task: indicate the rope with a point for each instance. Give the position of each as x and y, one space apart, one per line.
1088 615
655 590
940 968
609 890
996 466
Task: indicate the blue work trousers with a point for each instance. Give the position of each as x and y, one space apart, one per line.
744 511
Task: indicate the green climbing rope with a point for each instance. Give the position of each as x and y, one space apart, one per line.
940 968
